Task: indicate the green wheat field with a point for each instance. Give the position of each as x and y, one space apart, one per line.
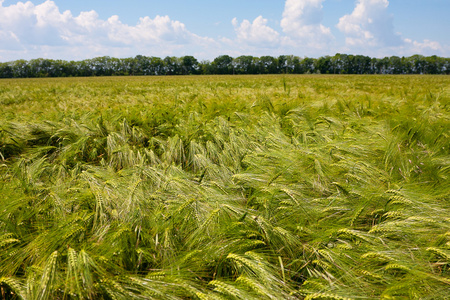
225 187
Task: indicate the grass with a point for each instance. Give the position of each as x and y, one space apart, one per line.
225 187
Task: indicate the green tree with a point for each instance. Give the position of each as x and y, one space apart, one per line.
6 71
244 64
323 65
306 65
206 67
223 64
172 65
268 65
189 65
287 64
395 65
21 69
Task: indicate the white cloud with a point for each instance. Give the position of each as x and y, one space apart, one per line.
426 47
301 22
369 25
303 33
31 31
369 29
256 34
33 28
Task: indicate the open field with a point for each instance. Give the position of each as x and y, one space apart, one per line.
225 187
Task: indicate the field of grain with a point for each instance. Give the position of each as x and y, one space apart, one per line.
225 187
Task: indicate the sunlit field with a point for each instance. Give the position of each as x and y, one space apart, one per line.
225 187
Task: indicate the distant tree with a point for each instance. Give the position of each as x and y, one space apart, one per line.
255 65
205 67
189 65
362 64
323 65
336 64
41 67
21 69
286 64
155 66
432 64
282 65
395 65
244 64
373 62
6 71
172 65
138 65
306 65
268 65
223 64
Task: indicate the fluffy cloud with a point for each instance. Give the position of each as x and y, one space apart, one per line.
301 22
369 25
426 47
369 29
31 31
257 33
34 28
302 33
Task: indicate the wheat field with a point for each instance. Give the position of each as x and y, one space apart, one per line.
225 187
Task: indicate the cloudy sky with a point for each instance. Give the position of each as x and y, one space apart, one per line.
75 30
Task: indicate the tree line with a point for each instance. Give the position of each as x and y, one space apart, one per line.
225 64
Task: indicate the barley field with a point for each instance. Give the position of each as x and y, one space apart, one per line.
225 187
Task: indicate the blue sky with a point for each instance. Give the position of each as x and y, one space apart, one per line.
74 30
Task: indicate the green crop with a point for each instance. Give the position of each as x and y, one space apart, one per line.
225 187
